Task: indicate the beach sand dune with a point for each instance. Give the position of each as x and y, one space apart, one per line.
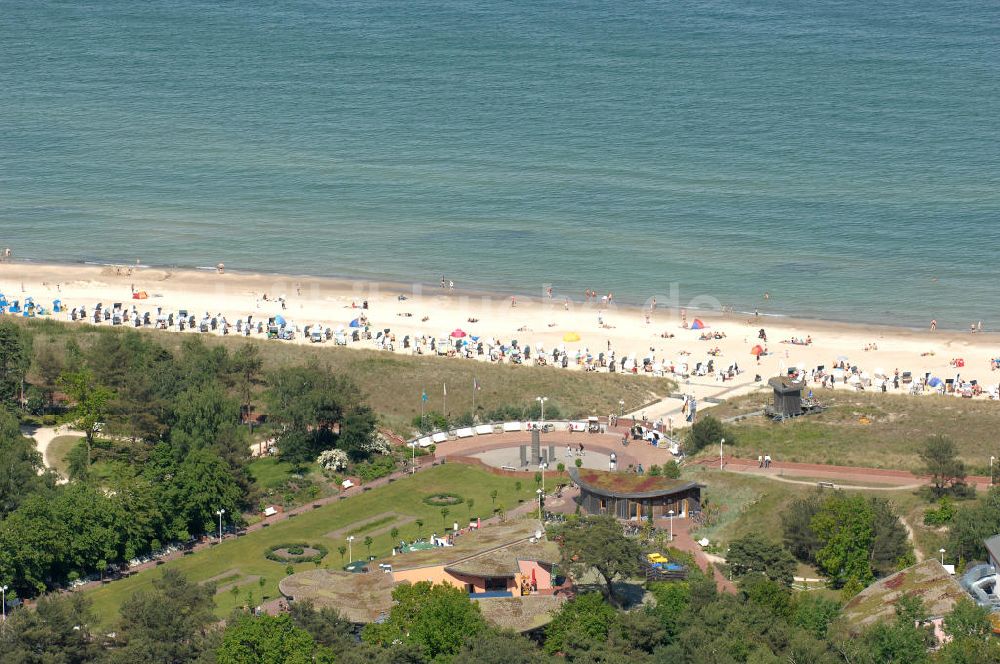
433 311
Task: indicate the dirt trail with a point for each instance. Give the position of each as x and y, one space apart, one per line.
43 436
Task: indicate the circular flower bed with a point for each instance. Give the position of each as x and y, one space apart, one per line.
443 499
297 553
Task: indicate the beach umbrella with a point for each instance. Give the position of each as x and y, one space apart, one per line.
355 323
935 381
757 351
698 324
280 320
458 333
571 336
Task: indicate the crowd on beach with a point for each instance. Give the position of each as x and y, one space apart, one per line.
708 363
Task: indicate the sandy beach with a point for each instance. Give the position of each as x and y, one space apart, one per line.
436 312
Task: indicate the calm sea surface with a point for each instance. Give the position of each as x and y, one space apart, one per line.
843 156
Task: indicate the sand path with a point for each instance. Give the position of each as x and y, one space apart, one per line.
43 436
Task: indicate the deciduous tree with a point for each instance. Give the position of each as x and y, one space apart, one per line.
598 543
438 618
754 555
270 640
940 457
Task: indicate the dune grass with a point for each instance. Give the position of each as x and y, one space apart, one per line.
751 504
392 383
243 558
868 429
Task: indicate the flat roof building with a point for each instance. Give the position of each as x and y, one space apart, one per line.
633 496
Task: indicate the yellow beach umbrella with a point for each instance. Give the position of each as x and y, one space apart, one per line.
571 336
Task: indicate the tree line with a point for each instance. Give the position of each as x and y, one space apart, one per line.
167 438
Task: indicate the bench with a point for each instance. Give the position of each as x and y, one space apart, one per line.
466 432
484 429
508 468
826 485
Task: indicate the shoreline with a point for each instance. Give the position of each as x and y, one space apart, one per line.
342 282
584 333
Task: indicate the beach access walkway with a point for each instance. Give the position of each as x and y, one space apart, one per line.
841 477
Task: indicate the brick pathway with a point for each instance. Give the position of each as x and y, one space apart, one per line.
847 475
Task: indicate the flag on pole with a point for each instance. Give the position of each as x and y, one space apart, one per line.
476 385
423 395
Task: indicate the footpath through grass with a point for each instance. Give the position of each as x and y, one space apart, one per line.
868 429
750 504
241 563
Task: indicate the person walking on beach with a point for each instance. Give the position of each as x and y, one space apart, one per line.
513 301
933 325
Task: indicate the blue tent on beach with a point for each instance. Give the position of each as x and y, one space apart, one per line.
355 323
280 320
57 306
935 382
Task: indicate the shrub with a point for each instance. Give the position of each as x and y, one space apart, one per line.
561 467
671 469
286 553
378 467
942 515
579 463
706 431
443 499
333 460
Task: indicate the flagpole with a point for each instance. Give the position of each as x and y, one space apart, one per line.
445 413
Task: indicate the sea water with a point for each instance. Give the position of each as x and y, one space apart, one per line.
843 157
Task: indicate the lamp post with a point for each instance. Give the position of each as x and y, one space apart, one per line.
542 466
621 407
722 441
542 401
671 514
350 548
219 513
4 590
539 492
941 551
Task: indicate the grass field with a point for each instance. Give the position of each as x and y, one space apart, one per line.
752 504
392 383
869 429
56 453
241 561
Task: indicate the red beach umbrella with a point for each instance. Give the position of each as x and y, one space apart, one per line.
458 333
757 351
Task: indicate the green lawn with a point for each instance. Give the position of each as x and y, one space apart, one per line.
752 504
241 561
56 453
868 429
